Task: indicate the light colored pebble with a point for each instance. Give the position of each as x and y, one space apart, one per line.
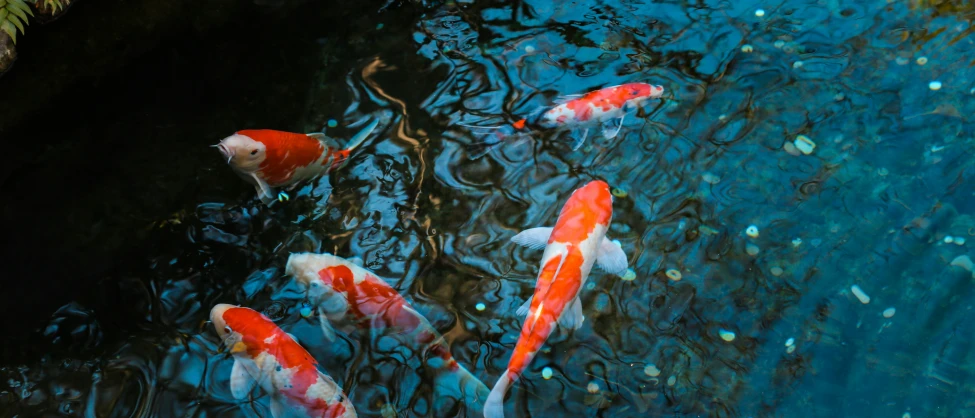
882 172
674 274
547 373
480 306
751 249
747 48
790 349
629 276
752 231
779 43
949 239
889 312
620 193
726 335
672 380
789 342
305 312
529 49
804 144
797 242
922 60
777 271
710 178
790 148
760 12
651 370
860 294
906 415
959 240
797 64
902 61
593 387
962 261
934 85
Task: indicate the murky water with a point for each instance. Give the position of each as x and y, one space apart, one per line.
884 90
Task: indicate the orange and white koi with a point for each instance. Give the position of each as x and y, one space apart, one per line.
576 114
269 159
265 355
338 287
577 241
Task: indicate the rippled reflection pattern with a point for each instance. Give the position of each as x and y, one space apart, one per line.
755 326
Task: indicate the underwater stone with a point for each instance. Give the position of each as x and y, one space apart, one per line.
752 231
789 342
860 294
804 144
889 312
751 249
480 306
934 85
726 335
547 373
651 370
673 274
630 275
962 261
760 12
922 60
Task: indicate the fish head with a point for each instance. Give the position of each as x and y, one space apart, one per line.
593 198
228 321
637 93
242 152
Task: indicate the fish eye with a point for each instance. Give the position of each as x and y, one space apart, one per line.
227 329
254 152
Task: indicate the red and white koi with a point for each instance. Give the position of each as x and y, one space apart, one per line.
265 355
577 241
269 159
576 114
338 287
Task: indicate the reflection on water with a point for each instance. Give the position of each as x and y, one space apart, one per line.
883 90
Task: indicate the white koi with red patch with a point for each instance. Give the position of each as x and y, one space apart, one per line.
577 241
270 358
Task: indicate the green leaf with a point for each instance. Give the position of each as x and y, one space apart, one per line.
3 14
19 4
10 30
17 23
18 12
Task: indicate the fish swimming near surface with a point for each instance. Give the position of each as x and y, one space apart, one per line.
270 159
266 356
572 247
338 287
574 114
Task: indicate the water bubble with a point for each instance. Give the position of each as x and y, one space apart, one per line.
901 61
797 242
797 64
777 271
529 49
672 380
379 26
480 306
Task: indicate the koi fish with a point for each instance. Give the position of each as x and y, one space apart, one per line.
269 159
265 355
577 241
338 287
575 114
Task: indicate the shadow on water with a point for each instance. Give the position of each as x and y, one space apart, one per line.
135 228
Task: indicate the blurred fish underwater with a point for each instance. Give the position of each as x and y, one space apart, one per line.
796 210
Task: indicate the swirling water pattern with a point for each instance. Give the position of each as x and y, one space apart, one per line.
890 177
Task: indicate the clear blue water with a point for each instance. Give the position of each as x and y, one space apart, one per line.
889 179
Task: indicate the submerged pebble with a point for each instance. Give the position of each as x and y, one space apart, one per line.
672 380
726 335
618 192
333 123
777 271
922 60
804 144
934 85
305 311
949 239
790 349
962 261
630 275
651 370
592 387
710 178
752 231
751 249
547 373
673 274
747 48
480 306
760 12
889 312
789 342
860 294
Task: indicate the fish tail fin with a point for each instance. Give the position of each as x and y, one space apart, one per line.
361 137
488 137
494 406
467 387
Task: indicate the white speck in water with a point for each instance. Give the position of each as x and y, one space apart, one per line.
779 44
860 294
747 48
797 242
790 349
529 49
651 370
672 380
726 335
630 275
797 64
593 387
889 312
922 60
673 274
934 85
949 239
760 13
547 373
480 306
804 144
752 231
751 249
789 342
710 178
777 271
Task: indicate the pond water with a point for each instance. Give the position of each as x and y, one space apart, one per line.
884 202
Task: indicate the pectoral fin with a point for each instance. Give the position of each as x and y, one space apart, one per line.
578 140
571 317
263 189
612 127
241 383
534 238
278 408
327 329
524 308
611 258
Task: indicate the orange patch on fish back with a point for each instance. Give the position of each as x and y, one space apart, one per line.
285 152
588 206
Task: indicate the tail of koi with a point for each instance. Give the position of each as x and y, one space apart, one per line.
463 386
494 406
488 137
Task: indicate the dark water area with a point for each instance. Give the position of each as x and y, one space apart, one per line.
124 227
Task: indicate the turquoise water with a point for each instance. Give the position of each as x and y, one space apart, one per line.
885 91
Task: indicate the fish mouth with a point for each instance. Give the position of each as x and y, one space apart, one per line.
225 151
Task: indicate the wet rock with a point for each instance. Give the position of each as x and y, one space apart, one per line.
8 53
